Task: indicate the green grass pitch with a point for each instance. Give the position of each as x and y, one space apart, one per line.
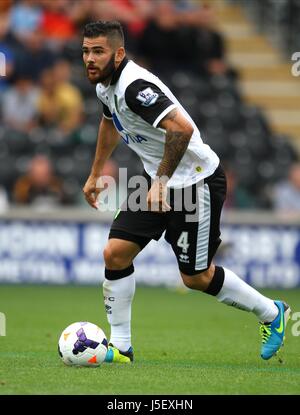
185 343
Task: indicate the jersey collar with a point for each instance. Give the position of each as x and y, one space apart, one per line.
118 71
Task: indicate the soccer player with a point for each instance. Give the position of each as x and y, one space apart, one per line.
139 108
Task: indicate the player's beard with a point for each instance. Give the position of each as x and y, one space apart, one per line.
106 73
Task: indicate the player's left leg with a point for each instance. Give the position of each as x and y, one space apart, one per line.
195 244
229 289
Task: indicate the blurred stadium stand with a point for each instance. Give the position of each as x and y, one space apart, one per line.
243 97
262 37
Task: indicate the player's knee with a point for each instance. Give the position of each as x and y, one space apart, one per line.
199 281
114 258
193 282
189 283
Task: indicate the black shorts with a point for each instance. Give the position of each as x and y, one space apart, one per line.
193 234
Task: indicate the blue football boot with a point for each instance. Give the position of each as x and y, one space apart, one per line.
273 334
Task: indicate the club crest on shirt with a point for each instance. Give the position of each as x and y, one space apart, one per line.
147 97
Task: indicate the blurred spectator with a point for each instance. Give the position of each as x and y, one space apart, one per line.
133 14
237 196
10 46
19 104
194 13
82 12
25 18
60 103
57 25
181 43
6 35
5 5
35 57
39 187
286 194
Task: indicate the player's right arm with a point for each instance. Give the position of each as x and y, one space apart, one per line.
108 138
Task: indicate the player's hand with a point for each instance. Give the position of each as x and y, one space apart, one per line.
157 197
92 190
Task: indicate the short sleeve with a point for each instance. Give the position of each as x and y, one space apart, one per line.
106 112
148 101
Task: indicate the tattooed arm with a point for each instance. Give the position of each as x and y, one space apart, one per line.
178 134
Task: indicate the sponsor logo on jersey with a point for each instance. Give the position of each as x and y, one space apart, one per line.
147 97
127 138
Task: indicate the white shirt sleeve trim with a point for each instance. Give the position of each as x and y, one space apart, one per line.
161 116
108 118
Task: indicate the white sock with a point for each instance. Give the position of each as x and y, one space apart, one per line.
239 294
118 296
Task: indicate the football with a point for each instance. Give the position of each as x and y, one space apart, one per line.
82 344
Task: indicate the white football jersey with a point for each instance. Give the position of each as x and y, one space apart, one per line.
136 101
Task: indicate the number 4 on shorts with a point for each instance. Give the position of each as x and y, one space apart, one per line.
183 242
